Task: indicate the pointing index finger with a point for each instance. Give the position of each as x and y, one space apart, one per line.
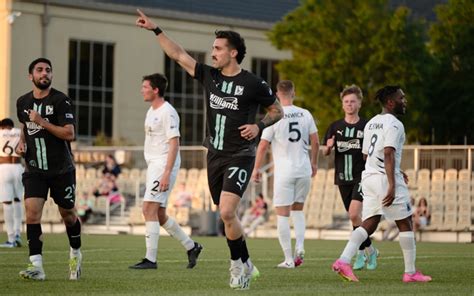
140 13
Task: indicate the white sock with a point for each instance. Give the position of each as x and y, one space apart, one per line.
151 239
74 252
37 260
299 224
284 236
9 221
370 250
358 236
18 210
407 242
177 232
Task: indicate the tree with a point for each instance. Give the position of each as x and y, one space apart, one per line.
452 90
340 42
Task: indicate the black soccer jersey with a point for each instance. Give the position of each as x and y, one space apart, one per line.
348 150
45 152
231 102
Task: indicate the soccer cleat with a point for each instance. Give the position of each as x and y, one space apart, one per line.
8 244
299 258
18 241
255 273
75 267
33 273
144 264
251 271
416 277
287 265
344 270
372 260
359 263
193 255
236 274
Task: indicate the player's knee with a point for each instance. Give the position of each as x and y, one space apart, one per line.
227 215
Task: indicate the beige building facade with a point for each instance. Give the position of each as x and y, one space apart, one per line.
32 29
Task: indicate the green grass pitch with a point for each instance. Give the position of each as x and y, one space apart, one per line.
107 257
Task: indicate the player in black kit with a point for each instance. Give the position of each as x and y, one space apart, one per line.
232 99
346 136
47 127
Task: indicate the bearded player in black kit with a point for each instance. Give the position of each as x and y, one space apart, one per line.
47 119
232 99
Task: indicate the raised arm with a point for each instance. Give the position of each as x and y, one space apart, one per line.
63 132
173 50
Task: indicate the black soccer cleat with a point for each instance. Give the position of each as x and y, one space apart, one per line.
193 255
144 264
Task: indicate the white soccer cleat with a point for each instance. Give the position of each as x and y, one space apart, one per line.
236 274
33 273
287 265
75 267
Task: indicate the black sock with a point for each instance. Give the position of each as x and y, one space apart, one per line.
235 247
245 252
366 243
35 243
74 235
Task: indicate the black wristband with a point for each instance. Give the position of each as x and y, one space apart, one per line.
157 31
261 125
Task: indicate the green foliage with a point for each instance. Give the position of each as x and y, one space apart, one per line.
452 43
340 42
101 139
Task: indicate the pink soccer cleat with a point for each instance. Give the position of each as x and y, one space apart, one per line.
344 270
416 277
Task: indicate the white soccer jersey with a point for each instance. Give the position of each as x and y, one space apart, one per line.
383 130
161 125
290 142
9 139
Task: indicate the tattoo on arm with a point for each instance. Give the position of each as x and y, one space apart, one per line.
274 113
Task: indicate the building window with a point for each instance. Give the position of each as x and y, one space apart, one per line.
91 67
187 96
266 69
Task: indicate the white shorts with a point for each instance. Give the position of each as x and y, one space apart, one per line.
153 176
11 185
287 191
374 189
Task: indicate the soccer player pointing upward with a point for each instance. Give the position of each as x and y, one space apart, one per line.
232 99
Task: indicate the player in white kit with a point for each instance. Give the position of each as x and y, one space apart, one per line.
290 139
163 160
11 188
383 186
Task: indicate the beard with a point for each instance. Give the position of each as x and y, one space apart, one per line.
42 85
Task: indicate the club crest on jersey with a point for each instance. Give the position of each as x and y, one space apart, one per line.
49 110
360 134
217 102
239 90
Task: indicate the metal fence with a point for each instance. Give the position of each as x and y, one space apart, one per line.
414 157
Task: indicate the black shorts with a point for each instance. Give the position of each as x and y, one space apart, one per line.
350 192
62 187
231 174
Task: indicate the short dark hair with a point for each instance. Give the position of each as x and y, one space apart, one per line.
38 60
235 41
352 89
386 92
285 86
158 81
6 122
